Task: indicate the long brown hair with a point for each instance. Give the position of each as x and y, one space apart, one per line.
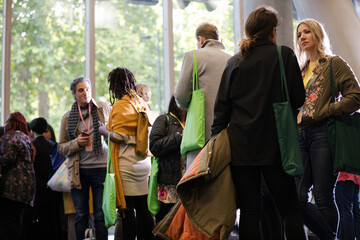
259 25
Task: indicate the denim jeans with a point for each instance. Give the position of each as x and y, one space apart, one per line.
322 217
347 200
94 178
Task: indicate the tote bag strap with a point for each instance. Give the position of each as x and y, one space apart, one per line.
332 82
195 75
283 76
109 166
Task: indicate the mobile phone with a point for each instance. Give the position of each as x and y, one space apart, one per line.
85 134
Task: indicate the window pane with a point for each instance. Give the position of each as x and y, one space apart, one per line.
129 35
47 52
187 20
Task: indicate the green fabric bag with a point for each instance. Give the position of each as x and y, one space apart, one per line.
194 131
287 129
344 138
152 198
109 194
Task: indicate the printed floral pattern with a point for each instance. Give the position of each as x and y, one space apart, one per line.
18 181
167 193
313 91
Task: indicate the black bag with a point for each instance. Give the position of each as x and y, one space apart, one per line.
56 158
344 138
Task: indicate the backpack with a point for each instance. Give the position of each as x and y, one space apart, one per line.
142 132
56 158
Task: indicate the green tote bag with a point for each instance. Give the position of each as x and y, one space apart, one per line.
287 129
152 198
344 138
109 194
194 131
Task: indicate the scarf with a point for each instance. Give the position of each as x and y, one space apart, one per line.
73 121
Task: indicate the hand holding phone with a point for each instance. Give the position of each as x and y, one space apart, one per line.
85 134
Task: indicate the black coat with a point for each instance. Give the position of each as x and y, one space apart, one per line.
165 140
244 103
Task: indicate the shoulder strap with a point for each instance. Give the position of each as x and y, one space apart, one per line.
195 76
132 105
283 76
332 82
167 123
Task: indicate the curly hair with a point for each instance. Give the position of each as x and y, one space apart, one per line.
121 82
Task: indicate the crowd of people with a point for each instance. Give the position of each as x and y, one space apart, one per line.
239 94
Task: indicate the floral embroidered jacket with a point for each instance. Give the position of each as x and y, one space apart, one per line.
18 176
318 107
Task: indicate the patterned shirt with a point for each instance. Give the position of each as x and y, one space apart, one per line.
167 193
18 176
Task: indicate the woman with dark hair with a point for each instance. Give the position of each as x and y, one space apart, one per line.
165 140
17 185
134 169
249 86
49 134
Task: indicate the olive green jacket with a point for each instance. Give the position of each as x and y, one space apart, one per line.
318 107
206 192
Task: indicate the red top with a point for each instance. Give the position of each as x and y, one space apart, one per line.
343 176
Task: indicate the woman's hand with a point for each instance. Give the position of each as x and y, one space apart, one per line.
103 131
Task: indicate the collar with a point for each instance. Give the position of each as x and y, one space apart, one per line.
213 43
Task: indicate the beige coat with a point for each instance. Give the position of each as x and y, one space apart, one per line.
71 148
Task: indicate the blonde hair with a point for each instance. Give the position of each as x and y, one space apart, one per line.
321 39
144 91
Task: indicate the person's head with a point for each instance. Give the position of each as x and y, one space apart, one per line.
206 31
38 125
260 24
16 122
121 82
311 38
81 90
144 91
173 108
49 134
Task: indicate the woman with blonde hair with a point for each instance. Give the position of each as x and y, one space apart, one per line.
313 47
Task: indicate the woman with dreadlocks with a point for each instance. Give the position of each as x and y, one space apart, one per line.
17 181
133 168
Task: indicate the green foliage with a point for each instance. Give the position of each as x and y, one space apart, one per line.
48 48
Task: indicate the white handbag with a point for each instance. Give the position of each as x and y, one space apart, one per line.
59 182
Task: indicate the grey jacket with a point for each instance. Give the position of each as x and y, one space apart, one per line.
71 149
211 60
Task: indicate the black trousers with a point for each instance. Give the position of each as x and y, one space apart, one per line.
247 181
11 219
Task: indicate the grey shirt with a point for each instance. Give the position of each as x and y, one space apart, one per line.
88 159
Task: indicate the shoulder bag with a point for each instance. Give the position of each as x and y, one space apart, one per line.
287 129
109 194
142 132
194 131
344 138
59 182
